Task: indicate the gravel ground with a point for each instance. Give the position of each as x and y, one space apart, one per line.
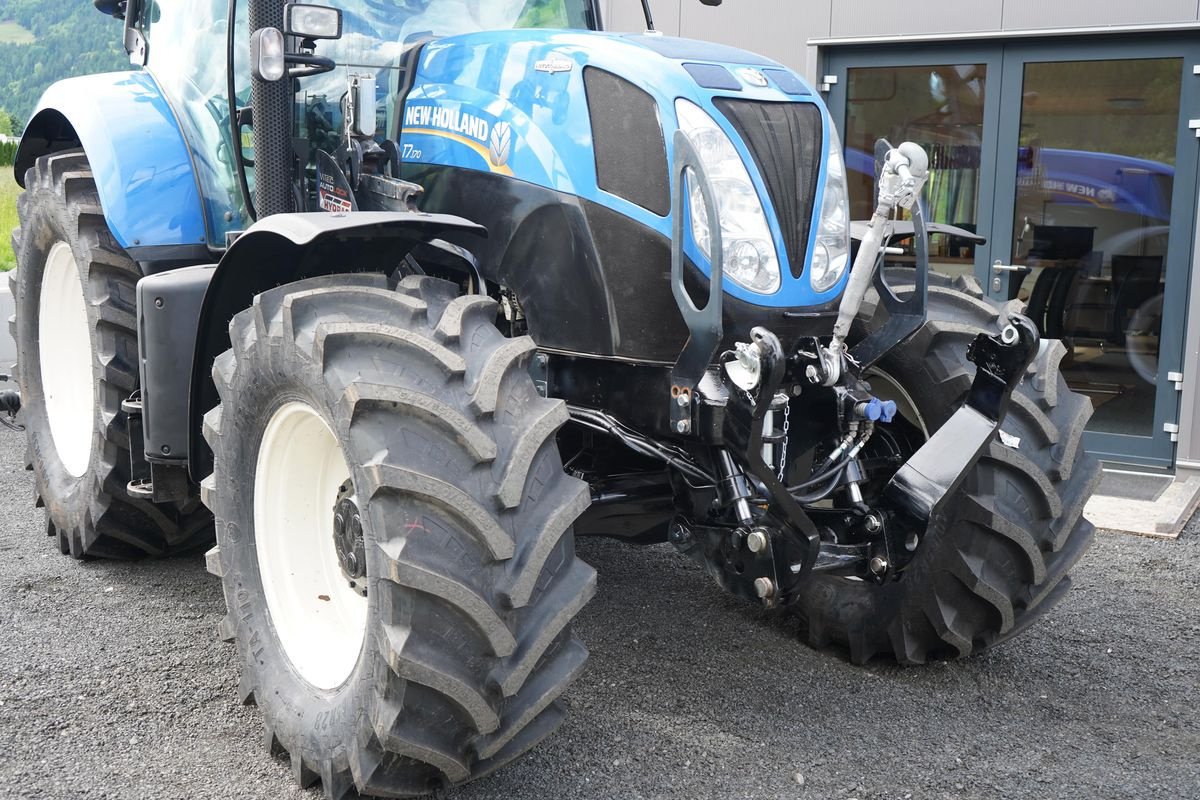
113 684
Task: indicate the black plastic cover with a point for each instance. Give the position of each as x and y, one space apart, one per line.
787 81
627 137
713 76
786 141
168 311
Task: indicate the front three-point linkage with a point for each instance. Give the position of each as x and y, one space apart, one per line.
915 494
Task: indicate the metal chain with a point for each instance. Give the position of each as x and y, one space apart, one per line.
783 447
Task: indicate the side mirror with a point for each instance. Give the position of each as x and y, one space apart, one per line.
113 8
135 42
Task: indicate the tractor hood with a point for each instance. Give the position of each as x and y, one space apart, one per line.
594 115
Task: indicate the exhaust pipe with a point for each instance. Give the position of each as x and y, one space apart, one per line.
272 102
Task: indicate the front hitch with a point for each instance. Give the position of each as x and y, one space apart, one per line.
921 487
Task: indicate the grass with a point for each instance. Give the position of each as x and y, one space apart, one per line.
8 217
13 33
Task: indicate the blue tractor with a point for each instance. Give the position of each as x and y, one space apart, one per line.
395 298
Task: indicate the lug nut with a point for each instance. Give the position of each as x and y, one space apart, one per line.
878 565
764 588
756 540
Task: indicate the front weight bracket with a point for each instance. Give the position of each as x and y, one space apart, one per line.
922 485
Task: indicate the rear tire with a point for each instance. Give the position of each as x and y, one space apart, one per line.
74 279
999 557
471 574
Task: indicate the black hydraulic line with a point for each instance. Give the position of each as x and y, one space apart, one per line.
599 421
834 479
820 475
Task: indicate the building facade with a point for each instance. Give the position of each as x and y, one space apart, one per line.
1066 134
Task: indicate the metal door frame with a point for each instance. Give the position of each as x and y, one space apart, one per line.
838 60
1006 62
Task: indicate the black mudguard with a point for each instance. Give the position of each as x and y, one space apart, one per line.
290 247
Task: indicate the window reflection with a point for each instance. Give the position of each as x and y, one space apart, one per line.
940 107
1095 172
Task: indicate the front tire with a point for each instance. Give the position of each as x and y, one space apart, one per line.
75 331
998 558
453 663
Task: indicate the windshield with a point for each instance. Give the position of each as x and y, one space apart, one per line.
376 31
375 34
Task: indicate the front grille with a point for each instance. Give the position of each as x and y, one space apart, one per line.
786 143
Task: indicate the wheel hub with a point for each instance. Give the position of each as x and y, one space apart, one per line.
319 618
348 538
65 355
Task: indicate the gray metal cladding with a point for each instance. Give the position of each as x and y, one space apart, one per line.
1033 14
884 17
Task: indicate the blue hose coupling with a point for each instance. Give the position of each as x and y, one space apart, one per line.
877 410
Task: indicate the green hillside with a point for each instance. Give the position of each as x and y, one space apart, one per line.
42 42
14 33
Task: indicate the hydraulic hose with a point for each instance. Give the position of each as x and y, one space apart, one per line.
832 480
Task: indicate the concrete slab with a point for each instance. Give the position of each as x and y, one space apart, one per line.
1143 503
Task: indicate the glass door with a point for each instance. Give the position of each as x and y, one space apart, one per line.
1075 161
944 99
1093 224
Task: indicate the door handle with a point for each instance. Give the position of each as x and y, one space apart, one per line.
998 267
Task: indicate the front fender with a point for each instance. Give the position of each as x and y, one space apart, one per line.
290 247
138 156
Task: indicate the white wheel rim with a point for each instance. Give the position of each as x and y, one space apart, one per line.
65 356
320 620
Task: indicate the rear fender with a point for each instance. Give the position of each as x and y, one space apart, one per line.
138 156
290 247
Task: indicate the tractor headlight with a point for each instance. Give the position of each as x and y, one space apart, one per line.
831 253
749 254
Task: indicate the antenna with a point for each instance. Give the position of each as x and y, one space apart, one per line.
649 16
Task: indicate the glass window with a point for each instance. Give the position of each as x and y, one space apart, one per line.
187 49
940 107
376 33
1095 173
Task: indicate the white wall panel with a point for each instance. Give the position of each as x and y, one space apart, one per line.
1026 14
778 29
884 17
626 15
